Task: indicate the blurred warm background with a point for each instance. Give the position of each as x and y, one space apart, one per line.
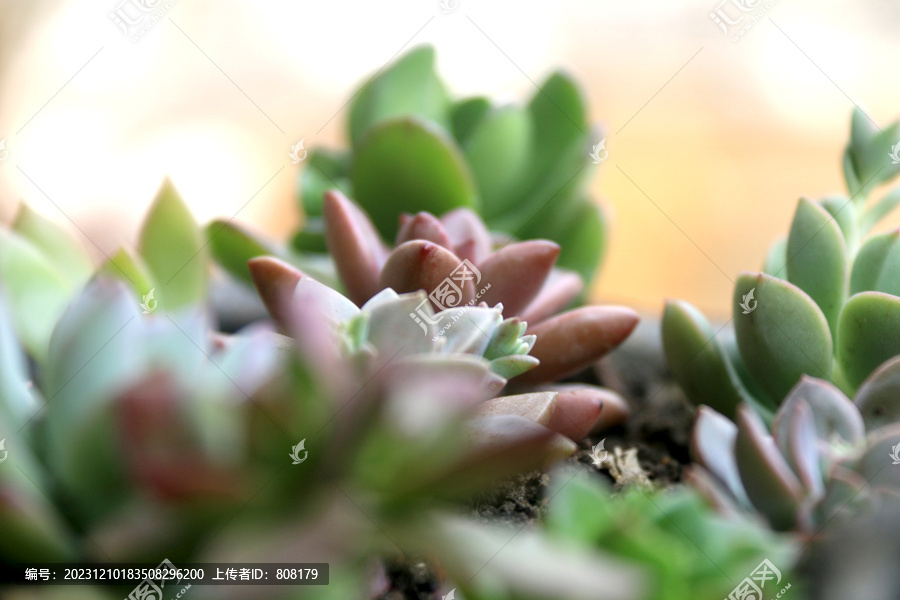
710 141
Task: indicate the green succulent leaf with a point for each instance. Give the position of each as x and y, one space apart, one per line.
36 291
817 261
232 246
408 165
878 398
868 334
881 209
867 159
697 360
582 239
783 337
64 252
466 115
776 259
876 267
312 237
172 246
323 170
125 266
846 216
516 364
410 86
498 151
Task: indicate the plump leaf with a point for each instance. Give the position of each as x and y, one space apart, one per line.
408 165
845 215
712 445
323 170
868 334
833 412
867 158
776 259
816 259
881 209
498 151
784 337
63 251
466 115
410 86
582 239
36 291
878 399
876 267
770 484
172 246
130 269
697 360
233 245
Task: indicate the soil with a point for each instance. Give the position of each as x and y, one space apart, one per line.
659 427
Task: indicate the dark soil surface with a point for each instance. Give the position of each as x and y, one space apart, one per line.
659 427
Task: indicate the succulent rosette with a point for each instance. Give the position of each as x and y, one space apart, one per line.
823 456
512 287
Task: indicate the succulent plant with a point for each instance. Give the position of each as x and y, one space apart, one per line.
684 549
414 149
816 463
390 325
142 433
826 304
43 267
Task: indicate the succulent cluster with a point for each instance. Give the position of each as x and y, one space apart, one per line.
684 549
823 453
413 148
826 304
139 431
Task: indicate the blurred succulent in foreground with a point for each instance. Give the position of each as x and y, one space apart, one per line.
148 436
42 267
390 325
826 305
684 549
414 149
816 463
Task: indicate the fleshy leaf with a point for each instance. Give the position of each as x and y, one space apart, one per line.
878 399
833 412
868 334
876 267
410 86
770 483
784 337
816 259
867 161
64 252
130 269
498 151
36 291
233 245
712 445
466 115
323 170
697 360
172 246
881 209
415 165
